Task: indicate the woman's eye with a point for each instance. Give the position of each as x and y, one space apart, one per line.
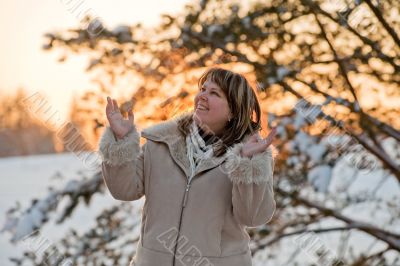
212 92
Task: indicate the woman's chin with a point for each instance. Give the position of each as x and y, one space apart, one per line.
199 113
199 117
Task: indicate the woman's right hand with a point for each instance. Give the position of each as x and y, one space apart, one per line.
118 124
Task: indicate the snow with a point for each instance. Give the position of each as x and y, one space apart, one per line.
320 177
299 122
281 72
121 29
317 151
271 80
246 22
211 30
303 141
25 178
229 38
71 186
25 226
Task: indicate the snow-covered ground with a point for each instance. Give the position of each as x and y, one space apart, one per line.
25 178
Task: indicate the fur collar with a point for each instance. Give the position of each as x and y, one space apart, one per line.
168 132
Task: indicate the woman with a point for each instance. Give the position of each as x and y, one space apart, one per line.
206 175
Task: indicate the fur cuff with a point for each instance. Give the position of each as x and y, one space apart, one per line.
119 152
246 170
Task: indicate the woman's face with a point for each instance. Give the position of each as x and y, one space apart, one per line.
211 109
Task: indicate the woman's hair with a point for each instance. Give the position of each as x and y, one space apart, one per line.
243 103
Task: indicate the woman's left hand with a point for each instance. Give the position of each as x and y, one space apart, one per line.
256 144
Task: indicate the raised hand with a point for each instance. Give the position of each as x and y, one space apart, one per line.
255 144
118 124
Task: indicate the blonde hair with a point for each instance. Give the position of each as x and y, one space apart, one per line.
243 103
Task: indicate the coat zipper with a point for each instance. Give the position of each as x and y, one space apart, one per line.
180 220
186 195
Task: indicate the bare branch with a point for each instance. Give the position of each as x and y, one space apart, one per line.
392 239
384 23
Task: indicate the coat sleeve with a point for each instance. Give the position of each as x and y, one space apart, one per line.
123 164
252 193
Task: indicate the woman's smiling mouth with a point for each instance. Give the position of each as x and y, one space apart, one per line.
201 107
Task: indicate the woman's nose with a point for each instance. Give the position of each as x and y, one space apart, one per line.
202 95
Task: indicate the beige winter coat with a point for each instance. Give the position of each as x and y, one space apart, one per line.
206 218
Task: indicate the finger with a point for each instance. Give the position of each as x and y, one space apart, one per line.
130 115
115 105
109 106
273 133
259 138
268 140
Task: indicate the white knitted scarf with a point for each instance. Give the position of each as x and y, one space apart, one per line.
197 149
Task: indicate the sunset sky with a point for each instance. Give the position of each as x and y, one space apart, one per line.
23 23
